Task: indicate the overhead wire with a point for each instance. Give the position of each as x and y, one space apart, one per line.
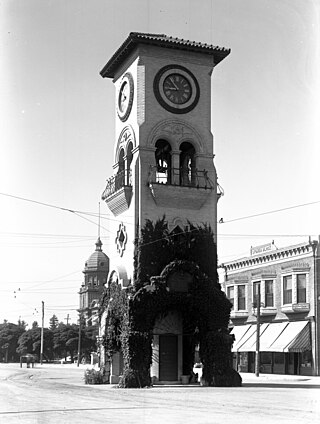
268 212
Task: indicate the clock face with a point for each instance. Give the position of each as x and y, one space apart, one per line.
176 89
125 97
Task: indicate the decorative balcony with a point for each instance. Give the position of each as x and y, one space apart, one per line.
118 192
179 188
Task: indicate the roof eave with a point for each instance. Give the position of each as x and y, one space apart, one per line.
109 70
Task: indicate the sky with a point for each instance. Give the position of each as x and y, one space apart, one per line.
57 131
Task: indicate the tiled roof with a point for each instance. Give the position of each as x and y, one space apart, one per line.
162 40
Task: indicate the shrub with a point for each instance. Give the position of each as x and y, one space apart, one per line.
92 376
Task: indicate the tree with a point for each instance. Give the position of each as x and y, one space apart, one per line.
30 342
65 340
89 340
9 335
35 324
54 322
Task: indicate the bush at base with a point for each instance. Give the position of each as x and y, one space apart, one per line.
231 378
92 376
132 379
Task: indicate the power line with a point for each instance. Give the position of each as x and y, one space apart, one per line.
268 212
41 235
76 212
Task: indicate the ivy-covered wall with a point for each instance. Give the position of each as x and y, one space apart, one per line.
205 310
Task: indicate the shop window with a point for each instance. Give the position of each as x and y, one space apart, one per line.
301 288
268 293
266 358
241 297
287 289
230 294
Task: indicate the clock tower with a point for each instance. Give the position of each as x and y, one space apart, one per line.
163 151
163 167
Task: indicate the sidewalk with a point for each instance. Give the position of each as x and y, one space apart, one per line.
279 378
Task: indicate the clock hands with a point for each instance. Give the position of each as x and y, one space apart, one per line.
174 87
174 84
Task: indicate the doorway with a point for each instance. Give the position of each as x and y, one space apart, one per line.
168 357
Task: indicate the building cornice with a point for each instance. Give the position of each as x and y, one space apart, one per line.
284 254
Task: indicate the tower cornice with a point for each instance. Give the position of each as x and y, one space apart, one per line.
160 40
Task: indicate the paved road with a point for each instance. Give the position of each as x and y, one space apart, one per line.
57 394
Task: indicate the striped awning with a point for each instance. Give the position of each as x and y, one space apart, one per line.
274 337
249 345
239 332
294 336
301 342
268 334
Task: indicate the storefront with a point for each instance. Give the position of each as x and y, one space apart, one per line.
285 348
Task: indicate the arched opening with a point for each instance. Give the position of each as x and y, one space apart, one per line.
187 164
129 161
120 177
163 162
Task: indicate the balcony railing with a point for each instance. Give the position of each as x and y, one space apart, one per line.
180 177
116 183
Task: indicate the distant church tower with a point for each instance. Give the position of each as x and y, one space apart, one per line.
163 149
95 276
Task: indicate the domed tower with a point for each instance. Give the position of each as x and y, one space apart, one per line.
95 275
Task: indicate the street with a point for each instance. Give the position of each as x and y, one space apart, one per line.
57 394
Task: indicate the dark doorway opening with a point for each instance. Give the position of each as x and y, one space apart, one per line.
168 349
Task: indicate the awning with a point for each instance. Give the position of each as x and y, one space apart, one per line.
249 345
239 331
302 341
292 337
267 336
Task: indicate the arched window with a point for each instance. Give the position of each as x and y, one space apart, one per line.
163 162
129 161
187 164
119 181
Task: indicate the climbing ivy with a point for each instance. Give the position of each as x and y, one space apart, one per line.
132 313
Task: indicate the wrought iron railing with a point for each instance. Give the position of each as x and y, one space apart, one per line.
117 182
180 177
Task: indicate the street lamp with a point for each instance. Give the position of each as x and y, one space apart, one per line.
257 304
79 340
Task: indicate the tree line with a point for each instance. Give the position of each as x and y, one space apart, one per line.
60 341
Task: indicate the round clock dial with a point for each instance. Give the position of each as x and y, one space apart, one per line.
176 89
125 97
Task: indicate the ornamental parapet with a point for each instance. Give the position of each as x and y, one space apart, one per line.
266 258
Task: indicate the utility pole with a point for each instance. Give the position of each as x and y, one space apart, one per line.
258 333
79 341
67 319
42 325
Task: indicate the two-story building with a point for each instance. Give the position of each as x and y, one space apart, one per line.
288 283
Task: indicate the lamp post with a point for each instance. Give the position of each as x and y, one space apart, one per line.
41 343
257 362
79 340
